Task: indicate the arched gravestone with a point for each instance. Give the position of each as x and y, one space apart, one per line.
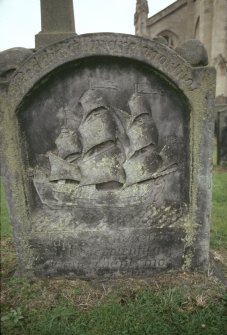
107 151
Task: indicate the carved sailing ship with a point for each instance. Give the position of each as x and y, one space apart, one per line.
110 150
93 155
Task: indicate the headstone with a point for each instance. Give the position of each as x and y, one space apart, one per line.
107 151
57 20
222 138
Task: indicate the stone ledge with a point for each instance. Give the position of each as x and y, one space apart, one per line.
45 39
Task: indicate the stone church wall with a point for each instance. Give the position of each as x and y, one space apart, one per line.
205 20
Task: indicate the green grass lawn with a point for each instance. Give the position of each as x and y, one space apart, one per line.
6 229
168 304
219 211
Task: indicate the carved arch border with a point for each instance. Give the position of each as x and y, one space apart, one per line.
45 60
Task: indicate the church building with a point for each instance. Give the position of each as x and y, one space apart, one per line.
205 20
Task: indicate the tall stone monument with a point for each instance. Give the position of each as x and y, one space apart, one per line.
107 151
57 21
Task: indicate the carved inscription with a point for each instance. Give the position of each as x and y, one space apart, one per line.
120 249
108 267
53 56
132 254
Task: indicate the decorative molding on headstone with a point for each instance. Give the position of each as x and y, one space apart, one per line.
10 60
144 50
194 52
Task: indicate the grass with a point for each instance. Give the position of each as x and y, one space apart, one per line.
189 304
170 303
219 211
6 229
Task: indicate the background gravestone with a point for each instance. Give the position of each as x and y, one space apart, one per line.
108 171
57 20
222 137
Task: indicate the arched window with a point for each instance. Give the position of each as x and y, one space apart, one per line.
171 38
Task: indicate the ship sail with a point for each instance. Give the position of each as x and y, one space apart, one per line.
91 101
63 170
98 127
103 166
142 133
142 165
68 144
143 160
170 153
138 106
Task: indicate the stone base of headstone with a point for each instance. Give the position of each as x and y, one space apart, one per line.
44 39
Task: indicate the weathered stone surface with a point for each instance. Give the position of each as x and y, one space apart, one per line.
108 173
10 59
161 39
194 52
57 19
